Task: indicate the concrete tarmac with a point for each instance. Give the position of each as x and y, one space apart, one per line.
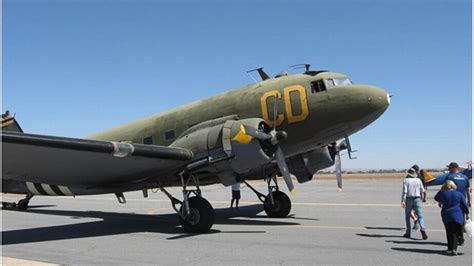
361 226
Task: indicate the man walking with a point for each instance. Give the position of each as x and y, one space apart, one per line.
411 200
416 225
461 181
463 186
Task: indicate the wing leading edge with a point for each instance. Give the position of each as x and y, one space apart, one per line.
59 161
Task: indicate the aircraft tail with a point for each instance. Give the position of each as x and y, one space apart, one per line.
427 176
9 123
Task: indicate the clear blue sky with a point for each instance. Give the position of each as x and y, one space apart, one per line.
73 68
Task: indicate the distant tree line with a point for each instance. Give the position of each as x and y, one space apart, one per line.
376 171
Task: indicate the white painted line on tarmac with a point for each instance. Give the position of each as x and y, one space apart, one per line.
14 261
397 205
346 227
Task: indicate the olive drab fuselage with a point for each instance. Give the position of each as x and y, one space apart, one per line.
311 118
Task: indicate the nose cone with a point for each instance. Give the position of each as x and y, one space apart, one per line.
378 99
368 104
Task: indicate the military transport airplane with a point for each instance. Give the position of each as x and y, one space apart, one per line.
287 124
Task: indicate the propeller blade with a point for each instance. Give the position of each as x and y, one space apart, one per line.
275 113
337 162
280 159
258 134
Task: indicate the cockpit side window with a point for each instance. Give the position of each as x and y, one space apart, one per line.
317 86
329 83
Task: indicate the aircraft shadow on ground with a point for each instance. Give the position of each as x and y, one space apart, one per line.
113 223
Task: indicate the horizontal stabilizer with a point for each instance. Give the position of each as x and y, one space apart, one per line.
9 123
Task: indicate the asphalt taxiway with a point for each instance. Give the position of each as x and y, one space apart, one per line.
362 225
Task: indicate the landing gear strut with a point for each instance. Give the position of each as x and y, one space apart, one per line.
22 204
276 204
196 214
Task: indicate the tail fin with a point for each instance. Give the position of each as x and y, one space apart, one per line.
9 123
427 176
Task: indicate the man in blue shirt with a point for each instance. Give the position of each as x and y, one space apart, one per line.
461 181
463 186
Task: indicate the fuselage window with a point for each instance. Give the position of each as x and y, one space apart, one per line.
170 134
317 86
148 140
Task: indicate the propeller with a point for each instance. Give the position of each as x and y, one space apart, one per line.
278 136
273 138
256 133
337 162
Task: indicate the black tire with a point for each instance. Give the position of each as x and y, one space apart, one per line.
22 205
281 207
201 218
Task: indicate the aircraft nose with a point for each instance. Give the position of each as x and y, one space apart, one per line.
368 103
378 99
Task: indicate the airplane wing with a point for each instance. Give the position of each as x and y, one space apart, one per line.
88 163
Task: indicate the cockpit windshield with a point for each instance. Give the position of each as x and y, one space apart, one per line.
337 82
323 84
342 81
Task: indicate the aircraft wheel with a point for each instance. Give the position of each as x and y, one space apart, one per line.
201 217
22 205
281 207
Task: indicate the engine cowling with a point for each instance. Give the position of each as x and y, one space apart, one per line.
305 165
225 149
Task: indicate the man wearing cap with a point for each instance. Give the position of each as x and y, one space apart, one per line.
418 174
416 225
411 200
461 181
463 186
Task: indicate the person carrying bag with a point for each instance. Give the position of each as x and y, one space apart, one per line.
468 226
454 212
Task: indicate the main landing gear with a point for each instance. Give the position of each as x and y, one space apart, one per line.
196 214
22 204
276 204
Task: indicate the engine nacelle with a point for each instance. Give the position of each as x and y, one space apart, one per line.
225 149
305 165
